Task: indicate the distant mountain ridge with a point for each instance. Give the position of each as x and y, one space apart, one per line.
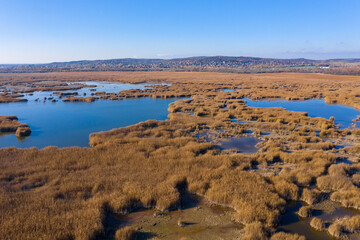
201 63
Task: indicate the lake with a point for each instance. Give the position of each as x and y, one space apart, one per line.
65 124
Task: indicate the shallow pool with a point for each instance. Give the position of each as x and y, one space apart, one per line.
243 144
292 223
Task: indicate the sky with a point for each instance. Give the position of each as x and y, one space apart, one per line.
41 31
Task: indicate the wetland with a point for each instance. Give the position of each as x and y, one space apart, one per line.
174 155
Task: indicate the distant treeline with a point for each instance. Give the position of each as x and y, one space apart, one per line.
197 64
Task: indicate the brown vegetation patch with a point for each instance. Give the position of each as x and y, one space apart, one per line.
342 227
317 224
287 236
6 97
80 99
305 212
11 124
107 178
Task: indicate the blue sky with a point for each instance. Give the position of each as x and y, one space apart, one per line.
36 31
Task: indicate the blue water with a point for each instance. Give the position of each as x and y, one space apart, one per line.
69 124
100 87
315 108
64 124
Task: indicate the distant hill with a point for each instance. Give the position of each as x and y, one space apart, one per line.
215 63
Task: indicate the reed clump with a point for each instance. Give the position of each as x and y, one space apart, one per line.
11 124
286 236
23 131
342 227
286 189
317 224
254 231
6 97
80 99
305 212
340 184
125 233
336 230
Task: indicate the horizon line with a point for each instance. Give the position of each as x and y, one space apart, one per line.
140 58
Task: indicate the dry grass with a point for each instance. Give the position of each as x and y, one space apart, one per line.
287 236
317 224
67 192
339 182
80 99
341 227
6 97
125 233
11 124
310 196
305 212
255 231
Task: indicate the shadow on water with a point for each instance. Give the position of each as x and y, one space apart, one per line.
292 223
187 200
195 218
11 136
346 161
113 222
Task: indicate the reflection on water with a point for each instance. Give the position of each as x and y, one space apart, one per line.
69 124
315 108
86 91
237 121
243 144
225 90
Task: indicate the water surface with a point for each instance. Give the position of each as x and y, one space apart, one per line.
243 144
343 115
93 88
292 223
65 124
